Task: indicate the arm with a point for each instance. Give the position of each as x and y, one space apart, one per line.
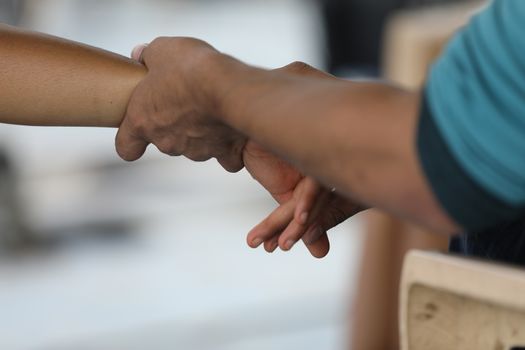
378 145
46 80
470 133
361 136
358 137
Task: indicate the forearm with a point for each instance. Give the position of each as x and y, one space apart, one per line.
46 80
357 137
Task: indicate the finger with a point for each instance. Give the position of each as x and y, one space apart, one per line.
232 163
128 146
313 233
232 159
291 234
272 225
320 248
137 51
307 199
271 244
297 228
338 210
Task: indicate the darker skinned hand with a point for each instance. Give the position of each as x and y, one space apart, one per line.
171 109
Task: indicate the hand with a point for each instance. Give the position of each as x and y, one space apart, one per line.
284 227
172 109
306 211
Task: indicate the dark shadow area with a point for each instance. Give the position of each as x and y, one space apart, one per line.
354 30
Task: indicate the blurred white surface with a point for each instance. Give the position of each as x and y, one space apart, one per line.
188 282
182 276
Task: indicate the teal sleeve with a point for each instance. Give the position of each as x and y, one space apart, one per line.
474 106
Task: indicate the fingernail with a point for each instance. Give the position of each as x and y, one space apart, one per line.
289 244
136 53
274 246
256 242
303 218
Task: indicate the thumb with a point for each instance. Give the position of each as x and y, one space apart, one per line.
128 146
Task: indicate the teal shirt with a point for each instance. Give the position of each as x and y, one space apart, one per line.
472 127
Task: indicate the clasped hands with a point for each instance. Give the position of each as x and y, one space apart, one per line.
177 106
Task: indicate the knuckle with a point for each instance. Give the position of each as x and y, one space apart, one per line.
169 147
153 49
298 67
197 150
137 125
198 156
235 168
186 40
191 42
238 146
232 164
158 41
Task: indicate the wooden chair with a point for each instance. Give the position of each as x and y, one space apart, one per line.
449 302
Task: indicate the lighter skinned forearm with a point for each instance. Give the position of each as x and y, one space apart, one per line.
46 80
357 137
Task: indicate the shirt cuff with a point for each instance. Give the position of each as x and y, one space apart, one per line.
469 204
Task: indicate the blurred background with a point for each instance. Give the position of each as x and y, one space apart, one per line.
96 253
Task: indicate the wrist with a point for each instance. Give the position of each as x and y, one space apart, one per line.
223 77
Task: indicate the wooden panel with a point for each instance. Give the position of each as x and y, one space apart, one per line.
454 303
414 38
439 319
